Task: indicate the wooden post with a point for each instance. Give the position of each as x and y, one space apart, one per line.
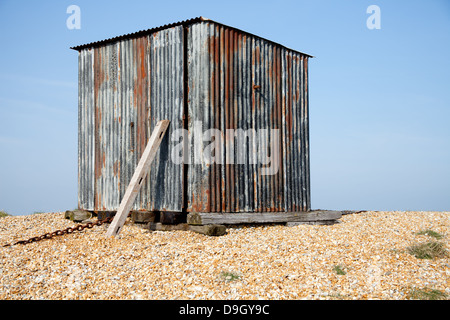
138 177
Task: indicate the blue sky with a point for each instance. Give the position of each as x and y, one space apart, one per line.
379 99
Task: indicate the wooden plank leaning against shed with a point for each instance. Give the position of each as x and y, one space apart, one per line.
138 177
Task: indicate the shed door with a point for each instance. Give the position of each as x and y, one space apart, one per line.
137 82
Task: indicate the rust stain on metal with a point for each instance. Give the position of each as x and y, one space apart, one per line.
116 168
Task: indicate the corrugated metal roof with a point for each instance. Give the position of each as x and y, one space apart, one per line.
171 25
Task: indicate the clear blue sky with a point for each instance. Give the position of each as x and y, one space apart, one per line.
379 99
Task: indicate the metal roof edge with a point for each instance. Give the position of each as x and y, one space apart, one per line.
171 25
254 35
138 33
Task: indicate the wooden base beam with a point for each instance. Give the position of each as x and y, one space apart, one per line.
158 226
143 216
201 218
172 217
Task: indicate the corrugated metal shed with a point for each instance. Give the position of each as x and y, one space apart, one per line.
194 71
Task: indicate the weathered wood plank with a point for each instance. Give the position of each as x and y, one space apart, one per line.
158 226
143 216
199 218
138 177
209 230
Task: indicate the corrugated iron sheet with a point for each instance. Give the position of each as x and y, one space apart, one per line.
86 119
295 131
166 102
138 34
133 84
239 81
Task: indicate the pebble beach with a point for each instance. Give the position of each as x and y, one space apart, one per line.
364 256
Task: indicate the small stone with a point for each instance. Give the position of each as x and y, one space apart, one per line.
209 229
79 215
68 215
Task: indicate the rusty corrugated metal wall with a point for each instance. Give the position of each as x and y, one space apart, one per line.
240 81
86 138
125 88
234 80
